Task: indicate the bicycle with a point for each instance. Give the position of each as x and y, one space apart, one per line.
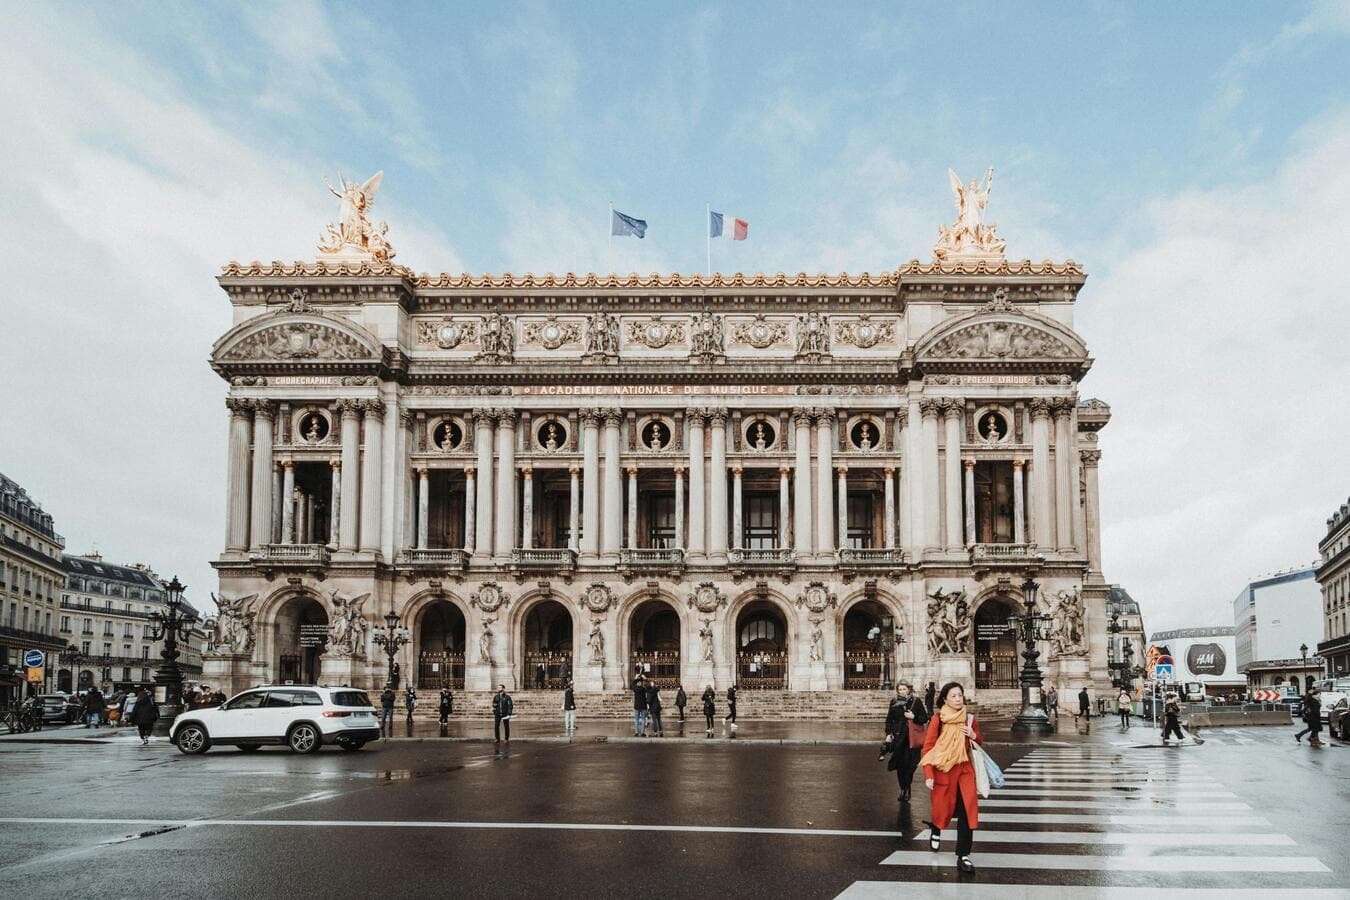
23 718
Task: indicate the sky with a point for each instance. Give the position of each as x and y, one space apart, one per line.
1195 159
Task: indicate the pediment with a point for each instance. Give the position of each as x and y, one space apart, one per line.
1018 336
297 338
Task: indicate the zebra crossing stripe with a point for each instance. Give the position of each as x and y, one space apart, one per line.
1125 838
1142 860
1102 792
936 890
1018 803
1160 818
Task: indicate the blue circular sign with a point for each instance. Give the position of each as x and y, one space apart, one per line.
34 659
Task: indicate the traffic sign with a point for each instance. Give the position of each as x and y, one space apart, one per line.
34 659
1162 671
36 675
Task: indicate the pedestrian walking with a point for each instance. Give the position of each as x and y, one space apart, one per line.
394 676
1084 704
410 700
950 774
654 708
709 707
905 733
1052 701
565 671
1125 705
1312 717
681 701
540 676
93 708
569 710
502 709
447 704
387 700
639 706
731 705
930 696
1172 720
144 714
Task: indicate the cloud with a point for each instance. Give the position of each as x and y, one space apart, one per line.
1220 344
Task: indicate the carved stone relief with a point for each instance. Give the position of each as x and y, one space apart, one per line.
863 333
1001 340
817 598
489 598
447 334
597 598
706 598
297 340
550 333
656 333
760 333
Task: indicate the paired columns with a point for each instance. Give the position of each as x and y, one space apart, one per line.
717 499
612 528
824 476
953 411
484 432
801 527
504 511
590 465
697 485
350 411
1043 522
260 532
1066 490
371 469
237 499
930 536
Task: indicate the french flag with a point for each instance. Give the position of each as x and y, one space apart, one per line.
720 226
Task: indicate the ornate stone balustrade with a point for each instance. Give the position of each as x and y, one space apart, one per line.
651 559
986 556
441 557
296 553
776 559
870 559
562 559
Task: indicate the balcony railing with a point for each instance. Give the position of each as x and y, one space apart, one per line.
441 557
870 557
293 553
651 558
561 559
1001 553
767 558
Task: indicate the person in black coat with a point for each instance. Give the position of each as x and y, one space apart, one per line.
144 714
1312 717
1084 704
731 704
447 704
639 706
387 698
654 709
929 696
502 708
709 707
569 710
905 710
681 701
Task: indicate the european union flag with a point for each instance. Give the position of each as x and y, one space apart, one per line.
621 225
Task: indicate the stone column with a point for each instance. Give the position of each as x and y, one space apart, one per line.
371 490
970 501
590 473
423 508
801 487
737 510
505 507
309 518
393 472
335 502
698 517
928 474
261 531
484 434
1064 489
277 503
632 507
842 530
1019 505
953 410
679 507
470 511
784 506
287 502
717 486
351 462
611 530
889 474
1091 512
527 507
1043 521
574 509
237 490
1075 491
824 479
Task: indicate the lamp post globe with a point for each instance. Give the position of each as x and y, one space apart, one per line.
1032 627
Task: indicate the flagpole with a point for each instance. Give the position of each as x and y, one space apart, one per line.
707 236
609 228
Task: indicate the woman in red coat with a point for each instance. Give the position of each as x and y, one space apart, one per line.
948 772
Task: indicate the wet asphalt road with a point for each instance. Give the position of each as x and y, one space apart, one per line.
390 820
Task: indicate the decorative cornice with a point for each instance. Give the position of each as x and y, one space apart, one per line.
990 267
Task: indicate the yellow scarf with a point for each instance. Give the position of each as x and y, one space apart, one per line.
950 748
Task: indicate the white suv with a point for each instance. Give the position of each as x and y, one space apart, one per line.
303 717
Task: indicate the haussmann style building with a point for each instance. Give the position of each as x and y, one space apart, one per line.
800 484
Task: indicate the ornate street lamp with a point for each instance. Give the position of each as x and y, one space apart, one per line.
887 635
170 627
1113 662
1033 627
392 637
1127 667
73 657
1303 651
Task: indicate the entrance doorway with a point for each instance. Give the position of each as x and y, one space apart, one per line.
302 637
440 641
548 647
995 644
863 662
761 648
654 636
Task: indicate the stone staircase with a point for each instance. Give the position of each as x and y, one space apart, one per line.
838 706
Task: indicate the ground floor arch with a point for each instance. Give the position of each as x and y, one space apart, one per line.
441 634
548 638
996 644
654 639
761 641
864 626
301 638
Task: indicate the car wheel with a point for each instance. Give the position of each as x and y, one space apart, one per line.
304 738
192 738
248 748
352 745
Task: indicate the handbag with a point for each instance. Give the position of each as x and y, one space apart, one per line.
987 772
917 733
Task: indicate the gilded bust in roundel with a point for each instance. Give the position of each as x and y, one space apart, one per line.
597 598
